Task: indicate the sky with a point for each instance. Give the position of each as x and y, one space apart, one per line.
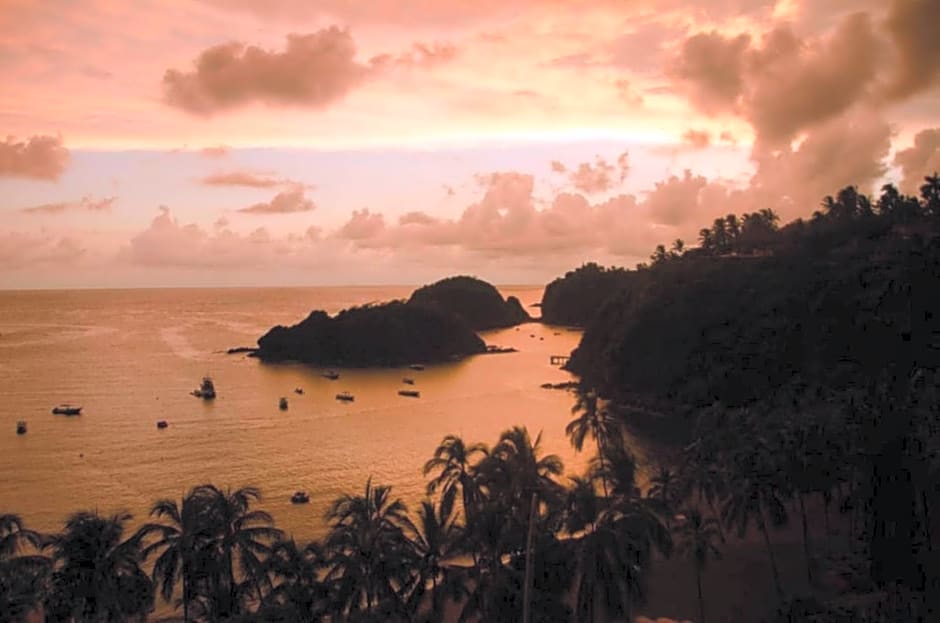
349 142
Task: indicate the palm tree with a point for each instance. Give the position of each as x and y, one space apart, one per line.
700 475
697 541
595 421
98 575
664 488
21 577
369 558
184 540
454 460
930 192
515 471
298 593
242 533
755 496
435 538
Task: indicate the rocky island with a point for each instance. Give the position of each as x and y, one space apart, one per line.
438 323
390 334
477 302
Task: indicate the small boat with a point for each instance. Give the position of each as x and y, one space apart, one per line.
299 497
282 403
408 381
410 393
345 397
416 366
162 424
66 410
299 391
330 374
206 390
21 428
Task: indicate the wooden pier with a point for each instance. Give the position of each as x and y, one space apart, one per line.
558 360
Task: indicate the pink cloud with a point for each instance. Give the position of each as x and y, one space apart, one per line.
362 225
286 202
912 27
598 176
218 151
919 160
696 139
781 84
86 203
242 178
19 250
40 157
314 70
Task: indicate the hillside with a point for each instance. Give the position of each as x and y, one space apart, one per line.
835 302
574 299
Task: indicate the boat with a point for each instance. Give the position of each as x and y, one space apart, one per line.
330 374
345 397
206 390
66 409
299 497
21 428
408 381
299 391
410 393
162 424
282 403
416 366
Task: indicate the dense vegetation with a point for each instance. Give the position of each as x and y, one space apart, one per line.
574 299
390 334
832 301
478 303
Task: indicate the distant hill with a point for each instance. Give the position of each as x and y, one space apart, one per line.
574 299
391 334
478 303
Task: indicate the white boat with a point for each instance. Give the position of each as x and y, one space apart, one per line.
299 391
416 366
330 374
206 390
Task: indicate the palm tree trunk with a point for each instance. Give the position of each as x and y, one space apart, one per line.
770 551
717 516
701 599
926 504
806 544
186 598
527 589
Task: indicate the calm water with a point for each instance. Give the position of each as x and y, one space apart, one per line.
132 357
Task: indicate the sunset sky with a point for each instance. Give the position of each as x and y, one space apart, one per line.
309 142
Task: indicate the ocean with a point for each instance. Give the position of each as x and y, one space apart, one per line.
131 358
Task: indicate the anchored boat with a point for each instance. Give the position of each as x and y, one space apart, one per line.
66 409
206 390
